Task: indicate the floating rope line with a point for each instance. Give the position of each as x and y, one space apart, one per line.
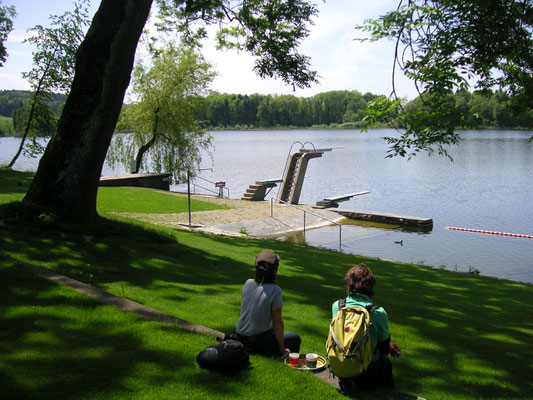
489 232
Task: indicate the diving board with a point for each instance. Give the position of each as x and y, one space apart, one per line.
333 202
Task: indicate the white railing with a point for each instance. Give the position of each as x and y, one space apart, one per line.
274 199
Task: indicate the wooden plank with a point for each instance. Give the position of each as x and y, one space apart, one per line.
345 196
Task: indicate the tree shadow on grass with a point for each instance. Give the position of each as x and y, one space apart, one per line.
14 182
462 336
57 344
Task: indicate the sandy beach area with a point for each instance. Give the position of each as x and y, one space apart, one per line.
239 211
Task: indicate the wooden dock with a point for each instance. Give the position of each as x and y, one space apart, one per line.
402 220
154 181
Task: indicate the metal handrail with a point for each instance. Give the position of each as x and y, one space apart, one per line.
209 190
272 199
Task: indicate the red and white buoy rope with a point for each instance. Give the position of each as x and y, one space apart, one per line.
453 228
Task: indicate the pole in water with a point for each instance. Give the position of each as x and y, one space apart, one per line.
453 228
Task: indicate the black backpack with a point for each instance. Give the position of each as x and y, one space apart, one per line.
227 355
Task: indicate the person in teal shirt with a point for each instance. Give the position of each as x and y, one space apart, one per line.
360 283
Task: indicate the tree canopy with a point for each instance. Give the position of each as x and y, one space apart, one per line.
53 70
7 13
450 45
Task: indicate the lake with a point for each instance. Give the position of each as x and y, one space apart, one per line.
487 186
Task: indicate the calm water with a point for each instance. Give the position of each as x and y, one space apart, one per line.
489 186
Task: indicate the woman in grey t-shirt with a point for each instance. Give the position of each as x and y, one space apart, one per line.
260 326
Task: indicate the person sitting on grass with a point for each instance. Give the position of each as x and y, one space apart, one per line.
360 283
260 326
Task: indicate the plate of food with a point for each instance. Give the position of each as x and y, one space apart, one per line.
305 362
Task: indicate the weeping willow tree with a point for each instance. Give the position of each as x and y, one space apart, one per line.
164 133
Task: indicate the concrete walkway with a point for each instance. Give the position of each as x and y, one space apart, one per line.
277 226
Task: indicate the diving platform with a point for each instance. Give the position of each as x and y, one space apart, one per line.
333 202
295 169
259 190
293 176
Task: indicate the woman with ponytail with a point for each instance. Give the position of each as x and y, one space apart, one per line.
260 326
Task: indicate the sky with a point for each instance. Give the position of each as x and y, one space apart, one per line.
341 62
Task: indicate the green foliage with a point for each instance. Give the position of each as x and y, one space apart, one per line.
271 111
44 119
445 45
53 71
55 57
351 109
6 126
164 120
269 30
7 13
10 100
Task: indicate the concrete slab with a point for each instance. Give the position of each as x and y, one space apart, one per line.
277 226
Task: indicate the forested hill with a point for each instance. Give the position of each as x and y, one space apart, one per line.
341 108
10 100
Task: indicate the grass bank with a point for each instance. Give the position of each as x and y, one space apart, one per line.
463 337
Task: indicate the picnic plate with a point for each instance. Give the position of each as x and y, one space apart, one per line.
320 363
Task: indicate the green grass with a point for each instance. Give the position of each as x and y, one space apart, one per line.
14 184
463 336
142 200
58 344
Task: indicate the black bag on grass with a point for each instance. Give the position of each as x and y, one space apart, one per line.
227 355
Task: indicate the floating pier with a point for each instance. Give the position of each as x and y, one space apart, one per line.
402 220
154 181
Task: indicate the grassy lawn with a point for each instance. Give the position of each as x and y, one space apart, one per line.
463 336
14 184
142 200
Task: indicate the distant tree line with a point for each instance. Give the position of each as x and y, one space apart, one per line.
271 111
341 109
15 104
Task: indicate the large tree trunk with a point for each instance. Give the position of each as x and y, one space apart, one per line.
66 182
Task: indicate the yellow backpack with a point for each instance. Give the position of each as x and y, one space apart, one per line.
348 347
